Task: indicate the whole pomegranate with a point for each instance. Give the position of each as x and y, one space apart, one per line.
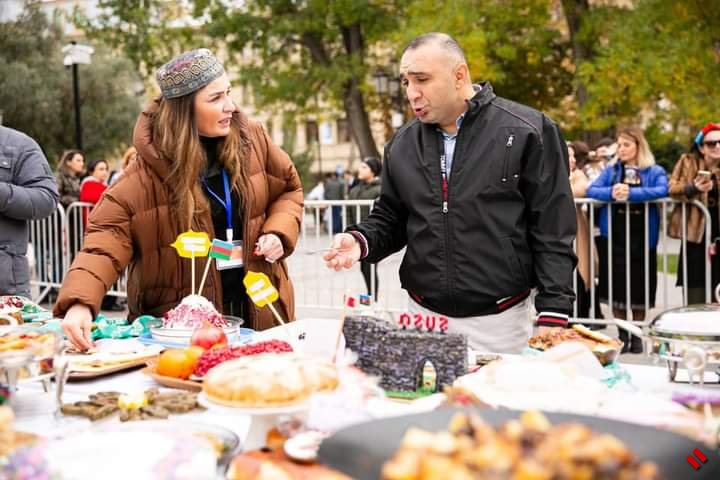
208 336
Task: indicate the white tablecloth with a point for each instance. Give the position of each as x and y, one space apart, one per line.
35 409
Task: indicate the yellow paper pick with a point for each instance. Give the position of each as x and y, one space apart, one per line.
192 244
259 289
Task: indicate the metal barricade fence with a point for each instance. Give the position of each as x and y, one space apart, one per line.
47 237
58 238
77 215
662 249
316 287
319 288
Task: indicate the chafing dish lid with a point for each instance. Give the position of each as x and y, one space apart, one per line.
699 320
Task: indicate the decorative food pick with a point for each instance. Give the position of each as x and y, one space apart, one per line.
190 245
219 250
260 290
263 293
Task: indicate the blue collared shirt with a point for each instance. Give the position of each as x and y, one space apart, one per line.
449 141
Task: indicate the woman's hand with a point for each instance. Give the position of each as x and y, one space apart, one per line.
620 192
269 246
703 183
77 326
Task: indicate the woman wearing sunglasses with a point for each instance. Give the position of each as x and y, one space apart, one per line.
695 177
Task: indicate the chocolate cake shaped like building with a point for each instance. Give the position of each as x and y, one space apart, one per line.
398 356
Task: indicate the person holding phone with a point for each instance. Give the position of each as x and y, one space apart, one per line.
627 184
695 177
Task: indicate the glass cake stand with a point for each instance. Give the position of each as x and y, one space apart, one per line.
262 419
34 358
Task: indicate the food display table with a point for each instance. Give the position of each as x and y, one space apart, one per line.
34 408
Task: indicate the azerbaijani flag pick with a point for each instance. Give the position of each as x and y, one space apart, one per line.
219 250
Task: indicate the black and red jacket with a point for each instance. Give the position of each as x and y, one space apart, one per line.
509 224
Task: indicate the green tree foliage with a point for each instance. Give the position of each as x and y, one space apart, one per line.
306 48
659 60
148 32
302 50
36 90
511 43
595 65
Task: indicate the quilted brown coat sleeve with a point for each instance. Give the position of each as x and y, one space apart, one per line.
286 200
107 250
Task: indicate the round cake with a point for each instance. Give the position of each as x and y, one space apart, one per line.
193 312
267 380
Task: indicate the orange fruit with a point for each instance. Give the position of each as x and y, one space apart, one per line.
174 363
193 355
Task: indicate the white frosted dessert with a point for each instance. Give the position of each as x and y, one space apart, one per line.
193 312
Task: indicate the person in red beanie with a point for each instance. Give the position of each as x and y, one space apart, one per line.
696 176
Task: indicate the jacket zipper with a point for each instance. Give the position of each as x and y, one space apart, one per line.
446 221
445 194
508 146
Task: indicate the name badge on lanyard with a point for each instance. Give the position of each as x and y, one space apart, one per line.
236 254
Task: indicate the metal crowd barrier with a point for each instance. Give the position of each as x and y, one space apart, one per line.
663 250
57 239
327 289
49 242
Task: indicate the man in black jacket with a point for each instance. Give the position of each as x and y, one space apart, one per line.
476 188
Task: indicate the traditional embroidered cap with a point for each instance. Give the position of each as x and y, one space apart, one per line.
188 72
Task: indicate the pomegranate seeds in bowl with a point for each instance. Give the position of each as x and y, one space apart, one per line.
216 356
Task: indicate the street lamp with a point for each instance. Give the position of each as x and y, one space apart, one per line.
388 88
396 96
76 55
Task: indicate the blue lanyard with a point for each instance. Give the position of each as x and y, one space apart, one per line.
227 203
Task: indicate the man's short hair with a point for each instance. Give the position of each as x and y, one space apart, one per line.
438 38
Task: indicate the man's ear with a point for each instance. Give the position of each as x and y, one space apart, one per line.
462 74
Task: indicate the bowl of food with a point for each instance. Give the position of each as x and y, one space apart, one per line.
605 348
179 323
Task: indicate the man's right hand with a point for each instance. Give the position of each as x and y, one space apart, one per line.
77 326
343 252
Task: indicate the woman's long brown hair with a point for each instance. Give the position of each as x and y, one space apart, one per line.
65 158
176 139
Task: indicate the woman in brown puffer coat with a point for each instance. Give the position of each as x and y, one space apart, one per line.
188 142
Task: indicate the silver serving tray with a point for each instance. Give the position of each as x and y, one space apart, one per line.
698 324
675 332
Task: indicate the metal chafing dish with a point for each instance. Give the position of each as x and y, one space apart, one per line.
687 335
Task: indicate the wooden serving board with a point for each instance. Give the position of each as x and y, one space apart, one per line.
99 371
172 382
